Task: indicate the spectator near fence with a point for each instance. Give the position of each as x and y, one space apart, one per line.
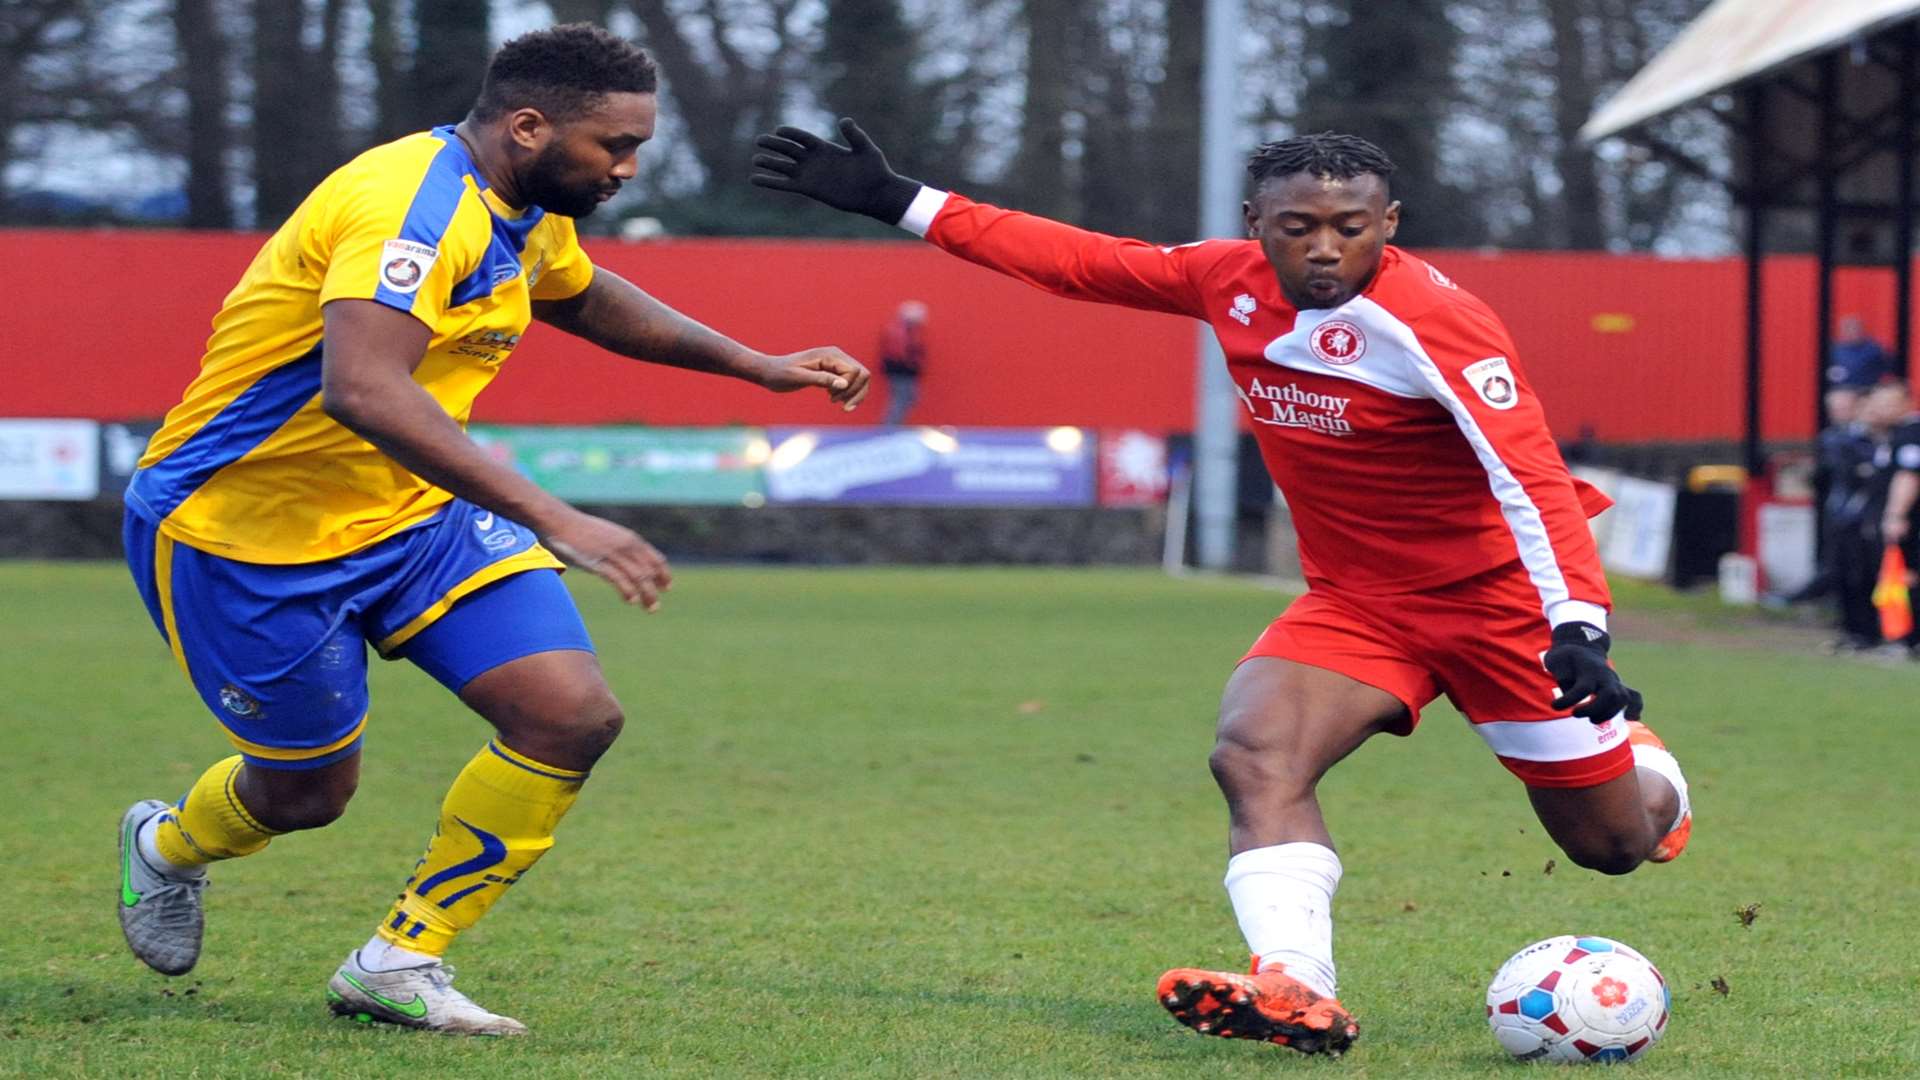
1856 359
1842 473
903 356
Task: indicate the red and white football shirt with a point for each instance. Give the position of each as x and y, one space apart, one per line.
1400 425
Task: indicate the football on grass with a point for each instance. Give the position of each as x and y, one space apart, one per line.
1578 999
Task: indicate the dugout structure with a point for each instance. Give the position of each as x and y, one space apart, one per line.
1818 98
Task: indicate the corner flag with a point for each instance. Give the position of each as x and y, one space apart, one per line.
1891 597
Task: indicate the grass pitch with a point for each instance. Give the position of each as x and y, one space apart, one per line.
910 823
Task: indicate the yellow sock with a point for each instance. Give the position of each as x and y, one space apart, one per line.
210 823
497 820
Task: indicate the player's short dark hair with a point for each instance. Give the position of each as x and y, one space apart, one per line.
563 71
1328 155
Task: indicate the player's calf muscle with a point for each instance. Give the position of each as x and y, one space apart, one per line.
1608 828
1608 854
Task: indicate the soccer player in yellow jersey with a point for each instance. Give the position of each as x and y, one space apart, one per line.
315 491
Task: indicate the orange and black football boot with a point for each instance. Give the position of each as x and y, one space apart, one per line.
1269 1005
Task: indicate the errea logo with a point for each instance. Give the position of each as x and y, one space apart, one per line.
1242 309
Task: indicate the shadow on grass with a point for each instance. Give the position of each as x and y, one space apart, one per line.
1139 1034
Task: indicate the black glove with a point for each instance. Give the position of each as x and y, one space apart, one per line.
854 177
1578 662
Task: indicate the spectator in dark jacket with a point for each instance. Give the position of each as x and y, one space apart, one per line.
1856 360
1843 475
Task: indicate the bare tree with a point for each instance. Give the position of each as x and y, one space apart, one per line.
725 66
1530 74
1172 137
283 111
454 43
1573 101
1039 166
597 12
1092 114
1383 69
28 29
865 70
203 61
387 57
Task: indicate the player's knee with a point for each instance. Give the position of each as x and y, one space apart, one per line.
1242 765
575 728
295 810
597 723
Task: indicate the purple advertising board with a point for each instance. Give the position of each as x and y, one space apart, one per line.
917 466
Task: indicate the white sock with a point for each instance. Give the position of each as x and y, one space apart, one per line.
380 954
1662 762
1283 897
149 850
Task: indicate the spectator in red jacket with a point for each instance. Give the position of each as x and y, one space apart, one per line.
903 356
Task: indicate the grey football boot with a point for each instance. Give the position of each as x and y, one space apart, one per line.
417 997
160 913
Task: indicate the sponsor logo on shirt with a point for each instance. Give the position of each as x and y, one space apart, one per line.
1440 279
404 264
491 346
1242 309
1290 406
1337 342
1492 379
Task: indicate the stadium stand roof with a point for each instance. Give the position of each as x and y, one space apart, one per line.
1734 42
1821 102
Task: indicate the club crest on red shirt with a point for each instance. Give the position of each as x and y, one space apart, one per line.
1337 341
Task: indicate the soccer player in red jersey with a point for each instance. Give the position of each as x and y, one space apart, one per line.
1445 545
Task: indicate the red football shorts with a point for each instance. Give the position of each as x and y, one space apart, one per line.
1479 642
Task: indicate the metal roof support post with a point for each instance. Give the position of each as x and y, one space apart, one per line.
1827 221
1216 424
1903 203
1756 254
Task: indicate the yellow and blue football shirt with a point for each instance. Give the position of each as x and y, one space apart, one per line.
248 466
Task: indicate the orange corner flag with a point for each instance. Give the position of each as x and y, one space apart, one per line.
1890 596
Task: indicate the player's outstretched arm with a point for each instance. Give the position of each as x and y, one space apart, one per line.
1050 255
618 316
366 385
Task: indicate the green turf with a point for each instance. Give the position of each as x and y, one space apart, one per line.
944 823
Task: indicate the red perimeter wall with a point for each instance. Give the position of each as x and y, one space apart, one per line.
109 325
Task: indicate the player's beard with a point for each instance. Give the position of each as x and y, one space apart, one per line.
547 188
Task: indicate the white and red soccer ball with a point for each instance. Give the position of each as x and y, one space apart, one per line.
1578 999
